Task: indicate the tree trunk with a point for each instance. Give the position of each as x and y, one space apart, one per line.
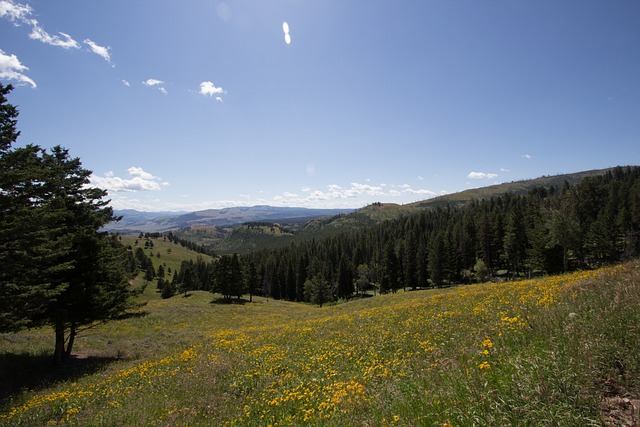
72 337
59 354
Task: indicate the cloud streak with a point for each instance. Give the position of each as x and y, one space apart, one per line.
102 51
11 69
20 14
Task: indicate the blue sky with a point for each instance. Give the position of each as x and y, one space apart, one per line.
189 105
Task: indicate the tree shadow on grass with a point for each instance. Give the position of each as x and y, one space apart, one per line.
231 301
26 371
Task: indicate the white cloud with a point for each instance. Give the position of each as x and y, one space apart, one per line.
16 13
152 82
209 89
64 40
481 175
126 83
139 172
139 180
527 156
218 99
287 36
19 14
12 69
99 50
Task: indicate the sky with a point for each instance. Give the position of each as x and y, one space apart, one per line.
187 105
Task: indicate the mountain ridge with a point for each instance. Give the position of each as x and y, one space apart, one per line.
134 221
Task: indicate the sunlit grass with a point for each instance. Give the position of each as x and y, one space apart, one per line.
521 353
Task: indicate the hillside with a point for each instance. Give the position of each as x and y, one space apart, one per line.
517 187
487 354
242 240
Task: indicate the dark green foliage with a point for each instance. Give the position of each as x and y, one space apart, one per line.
8 120
581 225
228 277
345 279
251 279
168 290
437 260
150 273
56 268
317 290
391 270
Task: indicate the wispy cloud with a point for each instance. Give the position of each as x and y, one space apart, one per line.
12 69
527 156
20 14
102 51
126 83
354 194
152 82
481 175
16 13
156 83
62 40
139 180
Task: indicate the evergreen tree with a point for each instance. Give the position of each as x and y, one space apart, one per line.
390 281
251 279
317 290
168 290
345 279
436 260
56 268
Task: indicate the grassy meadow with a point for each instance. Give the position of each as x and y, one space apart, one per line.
560 350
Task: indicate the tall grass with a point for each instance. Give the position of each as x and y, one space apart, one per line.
538 352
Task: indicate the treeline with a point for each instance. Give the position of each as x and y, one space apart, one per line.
546 231
226 275
201 249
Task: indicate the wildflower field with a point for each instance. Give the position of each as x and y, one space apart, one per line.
549 351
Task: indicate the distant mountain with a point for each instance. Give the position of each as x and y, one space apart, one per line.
152 222
312 222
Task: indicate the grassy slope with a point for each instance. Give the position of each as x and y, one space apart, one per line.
171 256
548 351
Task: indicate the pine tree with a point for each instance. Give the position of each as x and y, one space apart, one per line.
317 290
345 279
56 268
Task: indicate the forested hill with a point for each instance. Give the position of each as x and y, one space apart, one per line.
379 212
516 187
544 230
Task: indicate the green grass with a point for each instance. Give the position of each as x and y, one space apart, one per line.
171 257
538 352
